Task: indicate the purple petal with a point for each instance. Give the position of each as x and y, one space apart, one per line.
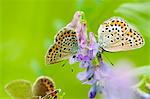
92 92
85 77
76 20
105 68
82 36
91 53
93 44
82 76
72 60
118 84
81 57
86 58
84 64
91 81
103 71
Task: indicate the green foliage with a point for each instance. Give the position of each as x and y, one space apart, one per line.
144 75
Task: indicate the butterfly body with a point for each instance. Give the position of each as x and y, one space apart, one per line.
65 45
116 34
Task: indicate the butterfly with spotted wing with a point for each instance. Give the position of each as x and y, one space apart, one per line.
115 34
65 42
44 88
66 45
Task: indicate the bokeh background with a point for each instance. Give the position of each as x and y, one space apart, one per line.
28 27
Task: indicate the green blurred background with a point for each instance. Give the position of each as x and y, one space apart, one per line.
27 29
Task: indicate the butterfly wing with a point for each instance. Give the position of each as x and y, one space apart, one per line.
115 35
66 45
19 89
42 86
52 95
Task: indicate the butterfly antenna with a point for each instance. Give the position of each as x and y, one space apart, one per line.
108 59
63 64
72 69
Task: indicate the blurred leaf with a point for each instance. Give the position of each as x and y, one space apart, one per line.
144 70
19 89
144 84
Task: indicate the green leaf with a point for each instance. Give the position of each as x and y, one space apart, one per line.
19 89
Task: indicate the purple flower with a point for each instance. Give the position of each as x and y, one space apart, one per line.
86 51
118 83
76 20
82 35
92 92
113 83
85 59
87 77
82 41
80 27
93 47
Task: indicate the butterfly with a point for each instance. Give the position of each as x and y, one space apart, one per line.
115 34
65 45
44 88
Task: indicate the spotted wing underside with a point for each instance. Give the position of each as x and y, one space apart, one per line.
65 45
115 35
